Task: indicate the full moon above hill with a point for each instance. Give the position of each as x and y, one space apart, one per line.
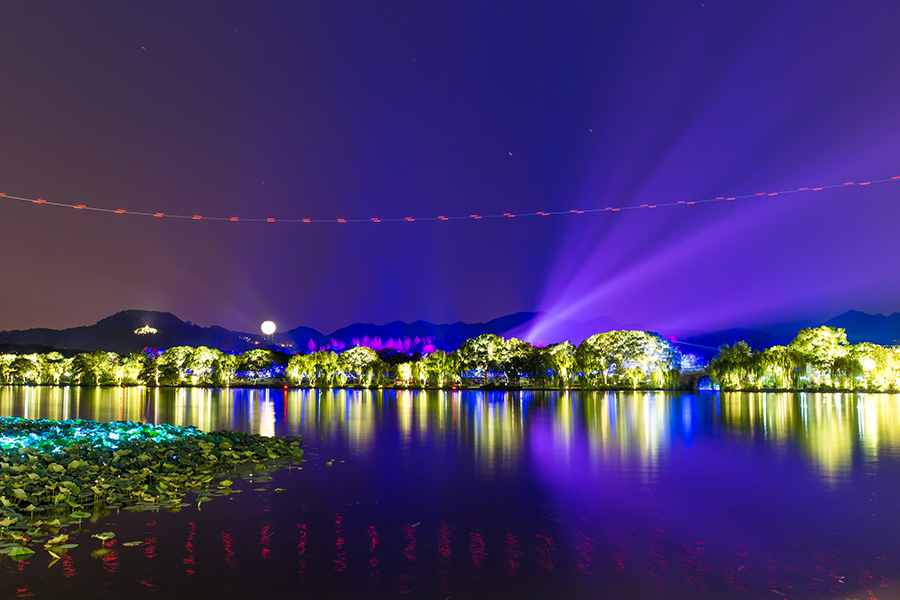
267 327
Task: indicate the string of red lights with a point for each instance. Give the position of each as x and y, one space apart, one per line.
574 211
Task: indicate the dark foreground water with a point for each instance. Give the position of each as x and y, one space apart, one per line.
506 495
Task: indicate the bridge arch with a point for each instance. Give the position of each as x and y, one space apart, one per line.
697 380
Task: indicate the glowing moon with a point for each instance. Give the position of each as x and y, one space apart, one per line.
268 327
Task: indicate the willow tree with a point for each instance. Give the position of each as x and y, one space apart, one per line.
561 360
521 359
224 369
734 367
780 367
328 369
438 367
302 368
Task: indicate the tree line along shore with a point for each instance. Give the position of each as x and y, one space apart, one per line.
818 358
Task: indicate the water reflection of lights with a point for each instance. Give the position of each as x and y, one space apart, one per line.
827 426
267 417
630 428
418 556
633 430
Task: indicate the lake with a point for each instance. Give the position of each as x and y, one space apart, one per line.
471 494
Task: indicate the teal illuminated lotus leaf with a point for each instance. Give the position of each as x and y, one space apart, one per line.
62 469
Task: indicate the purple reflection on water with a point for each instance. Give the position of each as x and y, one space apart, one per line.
529 495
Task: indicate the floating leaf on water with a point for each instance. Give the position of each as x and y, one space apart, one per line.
67 546
54 466
132 543
20 551
279 490
106 535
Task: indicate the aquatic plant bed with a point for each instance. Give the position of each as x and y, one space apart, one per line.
53 474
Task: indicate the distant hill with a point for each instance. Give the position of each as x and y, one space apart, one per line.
553 329
118 333
447 337
859 326
707 344
863 327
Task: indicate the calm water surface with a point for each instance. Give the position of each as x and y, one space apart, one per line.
506 495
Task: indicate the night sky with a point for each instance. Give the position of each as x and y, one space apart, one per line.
360 110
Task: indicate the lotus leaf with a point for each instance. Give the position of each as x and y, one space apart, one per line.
57 467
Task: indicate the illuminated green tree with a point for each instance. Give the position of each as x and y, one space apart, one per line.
520 359
780 366
820 347
561 360
199 366
5 361
361 364
438 367
302 368
405 373
149 374
53 367
25 369
93 368
257 363
126 369
734 367
594 358
483 355
173 365
628 358
224 369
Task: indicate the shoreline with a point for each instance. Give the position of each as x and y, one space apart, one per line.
488 388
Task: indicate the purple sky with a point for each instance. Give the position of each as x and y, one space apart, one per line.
357 110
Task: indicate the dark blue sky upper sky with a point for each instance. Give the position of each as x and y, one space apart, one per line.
352 110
